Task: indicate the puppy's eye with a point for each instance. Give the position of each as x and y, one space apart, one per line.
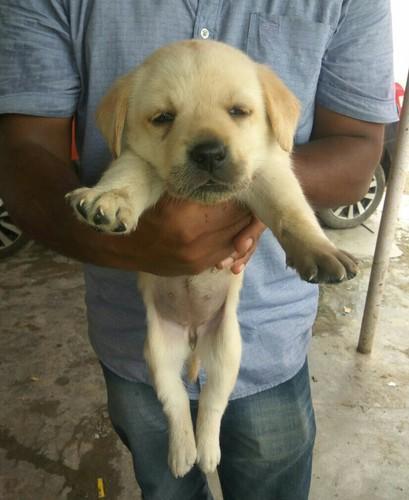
238 112
163 118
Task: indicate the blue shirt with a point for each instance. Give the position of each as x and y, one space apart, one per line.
58 57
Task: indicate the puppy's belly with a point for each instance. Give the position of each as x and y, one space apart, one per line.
191 301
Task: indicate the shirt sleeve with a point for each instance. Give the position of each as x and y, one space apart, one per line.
38 74
357 70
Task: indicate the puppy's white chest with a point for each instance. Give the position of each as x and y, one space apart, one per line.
190 301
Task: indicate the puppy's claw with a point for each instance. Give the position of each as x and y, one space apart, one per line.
336 279
312 278
100 217
351 274
81 208
121 228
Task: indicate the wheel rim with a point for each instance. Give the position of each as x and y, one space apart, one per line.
350 212
9 232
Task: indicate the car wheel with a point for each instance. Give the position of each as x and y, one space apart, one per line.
348 216
11 237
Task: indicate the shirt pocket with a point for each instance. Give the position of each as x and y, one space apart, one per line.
293 47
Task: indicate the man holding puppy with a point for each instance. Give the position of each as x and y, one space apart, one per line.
57 59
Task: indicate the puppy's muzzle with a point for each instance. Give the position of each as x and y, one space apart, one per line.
210 156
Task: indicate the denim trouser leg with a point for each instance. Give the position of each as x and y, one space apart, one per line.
266 440
137 417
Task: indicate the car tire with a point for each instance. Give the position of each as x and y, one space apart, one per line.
348 216
11 237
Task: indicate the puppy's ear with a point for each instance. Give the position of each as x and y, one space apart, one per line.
283 108
111 114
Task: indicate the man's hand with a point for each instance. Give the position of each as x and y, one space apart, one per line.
178 237
245 244
181 237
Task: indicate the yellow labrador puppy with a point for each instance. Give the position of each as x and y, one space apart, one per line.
200 120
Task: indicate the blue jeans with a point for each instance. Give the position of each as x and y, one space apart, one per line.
266 442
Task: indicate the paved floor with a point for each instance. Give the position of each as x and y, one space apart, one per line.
55 437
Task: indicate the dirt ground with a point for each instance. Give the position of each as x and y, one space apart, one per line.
55 437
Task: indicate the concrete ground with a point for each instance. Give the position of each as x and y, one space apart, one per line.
55 437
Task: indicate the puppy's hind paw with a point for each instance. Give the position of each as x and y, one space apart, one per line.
208 454
107 211
182 453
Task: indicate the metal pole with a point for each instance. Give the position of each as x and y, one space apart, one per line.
396 184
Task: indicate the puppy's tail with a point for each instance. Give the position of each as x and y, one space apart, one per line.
193 367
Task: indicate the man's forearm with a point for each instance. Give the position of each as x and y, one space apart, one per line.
335 171
33 185
336 166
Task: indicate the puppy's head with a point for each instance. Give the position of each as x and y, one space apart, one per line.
203 115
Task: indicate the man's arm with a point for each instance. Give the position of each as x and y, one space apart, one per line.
36 173
335 168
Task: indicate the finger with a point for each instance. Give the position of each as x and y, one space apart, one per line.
228 261
244 243
249 231
248 237
229 233
239 265
218 246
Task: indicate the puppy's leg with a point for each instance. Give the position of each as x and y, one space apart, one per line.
276 198
114 204
165 354
220 352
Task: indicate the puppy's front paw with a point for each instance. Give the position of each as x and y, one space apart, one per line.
108 211
208 452
182 451
323 263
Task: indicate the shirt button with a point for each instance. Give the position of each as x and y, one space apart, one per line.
204 33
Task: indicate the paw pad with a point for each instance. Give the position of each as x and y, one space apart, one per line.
107 211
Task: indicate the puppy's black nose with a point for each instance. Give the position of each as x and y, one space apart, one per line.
209 155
